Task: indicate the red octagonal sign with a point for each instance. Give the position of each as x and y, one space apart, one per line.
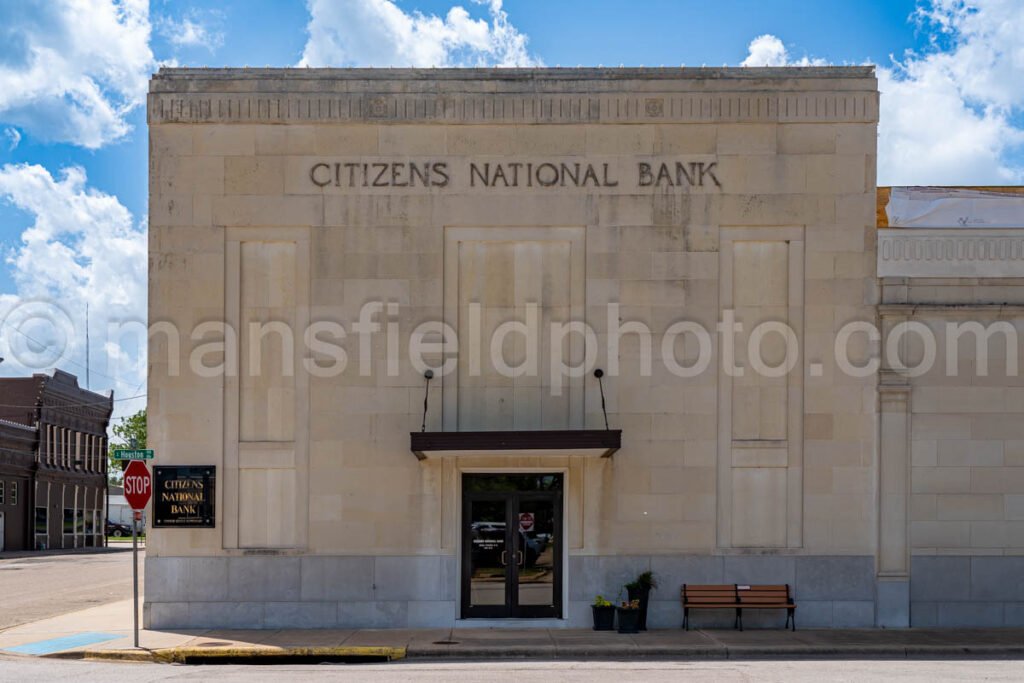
138 485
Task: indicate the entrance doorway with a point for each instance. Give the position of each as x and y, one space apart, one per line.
512 545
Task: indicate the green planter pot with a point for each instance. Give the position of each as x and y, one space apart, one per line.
629 620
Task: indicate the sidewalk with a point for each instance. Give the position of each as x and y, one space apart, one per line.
22 554
105 633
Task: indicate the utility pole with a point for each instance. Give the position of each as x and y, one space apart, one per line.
86 344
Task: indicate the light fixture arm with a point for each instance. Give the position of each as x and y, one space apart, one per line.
599 373
429 375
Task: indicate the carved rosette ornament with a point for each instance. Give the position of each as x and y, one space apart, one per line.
377 107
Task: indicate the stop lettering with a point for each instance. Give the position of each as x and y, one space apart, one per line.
138 484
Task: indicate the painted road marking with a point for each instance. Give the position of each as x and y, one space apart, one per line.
46 647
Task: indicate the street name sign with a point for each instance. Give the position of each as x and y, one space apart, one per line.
133 454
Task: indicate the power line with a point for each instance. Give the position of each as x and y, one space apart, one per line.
62 358
74 404
21 438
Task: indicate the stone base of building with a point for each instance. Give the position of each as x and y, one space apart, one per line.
421 591
970 592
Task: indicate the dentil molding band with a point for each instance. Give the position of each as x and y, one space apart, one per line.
731 95
915 252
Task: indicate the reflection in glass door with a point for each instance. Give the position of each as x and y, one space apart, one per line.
488 556
512 527
535 554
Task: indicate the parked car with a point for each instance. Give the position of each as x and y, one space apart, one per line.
117 530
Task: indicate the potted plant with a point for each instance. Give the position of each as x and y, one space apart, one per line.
640 589
629 616
604 614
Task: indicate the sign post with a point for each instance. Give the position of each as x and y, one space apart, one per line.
138 487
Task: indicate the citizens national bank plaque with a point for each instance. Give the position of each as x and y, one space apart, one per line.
184 496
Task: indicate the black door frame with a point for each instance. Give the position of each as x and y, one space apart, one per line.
511 609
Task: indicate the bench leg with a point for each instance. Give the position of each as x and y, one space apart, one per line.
791 619
739 620
686 618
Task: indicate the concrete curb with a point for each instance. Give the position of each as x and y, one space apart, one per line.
183 655
718 653
190 655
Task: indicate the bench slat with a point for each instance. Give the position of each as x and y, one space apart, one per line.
764 596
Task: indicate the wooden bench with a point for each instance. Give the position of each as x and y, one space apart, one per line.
709 596
738 597
770 596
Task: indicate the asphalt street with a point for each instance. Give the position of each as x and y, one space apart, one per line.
46 585
811 671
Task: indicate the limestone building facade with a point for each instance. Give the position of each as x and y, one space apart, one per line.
294 213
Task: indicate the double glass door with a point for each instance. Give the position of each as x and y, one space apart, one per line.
512 545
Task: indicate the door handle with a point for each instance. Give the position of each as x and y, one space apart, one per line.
519 560
504 558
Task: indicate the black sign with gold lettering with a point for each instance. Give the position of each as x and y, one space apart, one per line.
183 496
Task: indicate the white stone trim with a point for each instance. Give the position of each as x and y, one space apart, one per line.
946 252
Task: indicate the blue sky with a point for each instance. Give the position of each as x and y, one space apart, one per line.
73 79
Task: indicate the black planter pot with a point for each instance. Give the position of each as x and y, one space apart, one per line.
642 594
629 620
604 618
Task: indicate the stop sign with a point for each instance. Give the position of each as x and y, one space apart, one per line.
138 485
526 521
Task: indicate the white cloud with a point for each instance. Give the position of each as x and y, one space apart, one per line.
379 33
82 248
767 50
193 30
72 70
948 114
13 138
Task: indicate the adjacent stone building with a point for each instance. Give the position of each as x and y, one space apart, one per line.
951 445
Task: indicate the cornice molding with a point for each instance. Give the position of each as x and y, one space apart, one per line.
971 253
512 108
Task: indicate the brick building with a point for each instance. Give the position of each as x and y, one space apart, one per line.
17 468
68 487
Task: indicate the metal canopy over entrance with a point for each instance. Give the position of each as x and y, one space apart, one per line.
586 442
